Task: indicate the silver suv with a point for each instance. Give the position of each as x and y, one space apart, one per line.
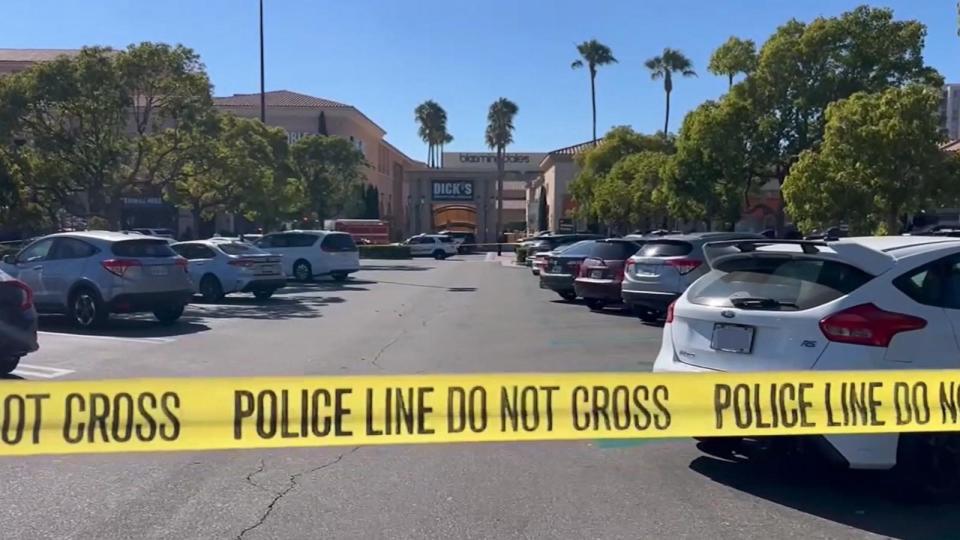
664 267
88 275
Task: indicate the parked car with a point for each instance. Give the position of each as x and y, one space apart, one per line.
601 273
563 265
18 322
220 268
308 254
664 267
88 275
162 233
438 246
465 240
872 303
553 241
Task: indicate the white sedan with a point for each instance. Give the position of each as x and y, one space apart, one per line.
866 303
218 268
438 246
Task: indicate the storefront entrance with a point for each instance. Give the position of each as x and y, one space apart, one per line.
455 217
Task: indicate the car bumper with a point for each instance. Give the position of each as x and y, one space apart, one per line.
137 302
270 284
18 332
556 282
596 288
875 452
657 301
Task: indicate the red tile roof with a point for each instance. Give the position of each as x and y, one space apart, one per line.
576 148
35 55
952 146
278 98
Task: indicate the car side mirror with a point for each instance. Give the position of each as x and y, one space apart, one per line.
10 258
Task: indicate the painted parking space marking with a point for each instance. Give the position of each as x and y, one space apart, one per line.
109 338
41 372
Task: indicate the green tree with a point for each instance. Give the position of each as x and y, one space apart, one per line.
734 56
595 163
593 54
331 168
626 196
880 159
663 67
118 122
498 136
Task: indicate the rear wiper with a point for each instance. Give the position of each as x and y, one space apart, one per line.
760 303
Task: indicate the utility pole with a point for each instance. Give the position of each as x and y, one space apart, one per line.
263 97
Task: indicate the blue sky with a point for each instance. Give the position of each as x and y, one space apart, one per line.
385 56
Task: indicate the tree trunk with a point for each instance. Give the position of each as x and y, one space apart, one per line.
500 158
666 119
593 104
729 81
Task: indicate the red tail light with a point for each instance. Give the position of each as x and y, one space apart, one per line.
684 266
869 325
119 267
630 266
669 318
181 263
22 290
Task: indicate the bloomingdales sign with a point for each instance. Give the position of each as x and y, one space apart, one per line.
488 160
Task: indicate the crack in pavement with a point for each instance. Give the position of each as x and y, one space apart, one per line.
289 487
249 478
383 349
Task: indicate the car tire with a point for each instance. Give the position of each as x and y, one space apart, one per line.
168 315
8 364
263 295
646 315
439 254
302 271
928 467
339 276
210 288
85 308
569 296
595 304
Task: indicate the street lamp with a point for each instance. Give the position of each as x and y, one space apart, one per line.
263 97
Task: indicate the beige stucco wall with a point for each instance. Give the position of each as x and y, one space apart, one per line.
557 177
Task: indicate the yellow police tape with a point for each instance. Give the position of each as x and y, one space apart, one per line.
224 413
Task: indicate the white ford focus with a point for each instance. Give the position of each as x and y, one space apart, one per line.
852 304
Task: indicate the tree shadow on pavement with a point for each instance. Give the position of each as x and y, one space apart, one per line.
395 267
861 499
275 308
134 325
324 286
12 377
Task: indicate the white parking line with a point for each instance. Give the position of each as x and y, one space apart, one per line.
41 372
109 338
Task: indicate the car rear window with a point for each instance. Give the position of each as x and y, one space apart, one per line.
613 251
665 248
142 248
776 283
338 242
583 248
236 248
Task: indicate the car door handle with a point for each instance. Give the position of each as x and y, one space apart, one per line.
38 267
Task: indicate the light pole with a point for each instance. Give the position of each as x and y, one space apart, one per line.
263 97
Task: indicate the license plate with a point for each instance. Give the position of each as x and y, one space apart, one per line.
596 274
158 270
646 269
733 338
266 269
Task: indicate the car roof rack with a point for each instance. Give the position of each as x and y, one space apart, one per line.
870 260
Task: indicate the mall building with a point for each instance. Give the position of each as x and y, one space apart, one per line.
462 195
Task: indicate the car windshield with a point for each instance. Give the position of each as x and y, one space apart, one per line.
297 269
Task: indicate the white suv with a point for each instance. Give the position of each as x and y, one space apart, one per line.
438 246
854 304
307 254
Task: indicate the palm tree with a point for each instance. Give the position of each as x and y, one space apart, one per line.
594 54
433 129
498 136
663 67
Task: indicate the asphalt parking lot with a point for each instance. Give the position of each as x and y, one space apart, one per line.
462 315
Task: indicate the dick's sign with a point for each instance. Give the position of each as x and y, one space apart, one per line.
453 190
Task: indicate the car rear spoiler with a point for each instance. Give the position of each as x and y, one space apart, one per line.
869 260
